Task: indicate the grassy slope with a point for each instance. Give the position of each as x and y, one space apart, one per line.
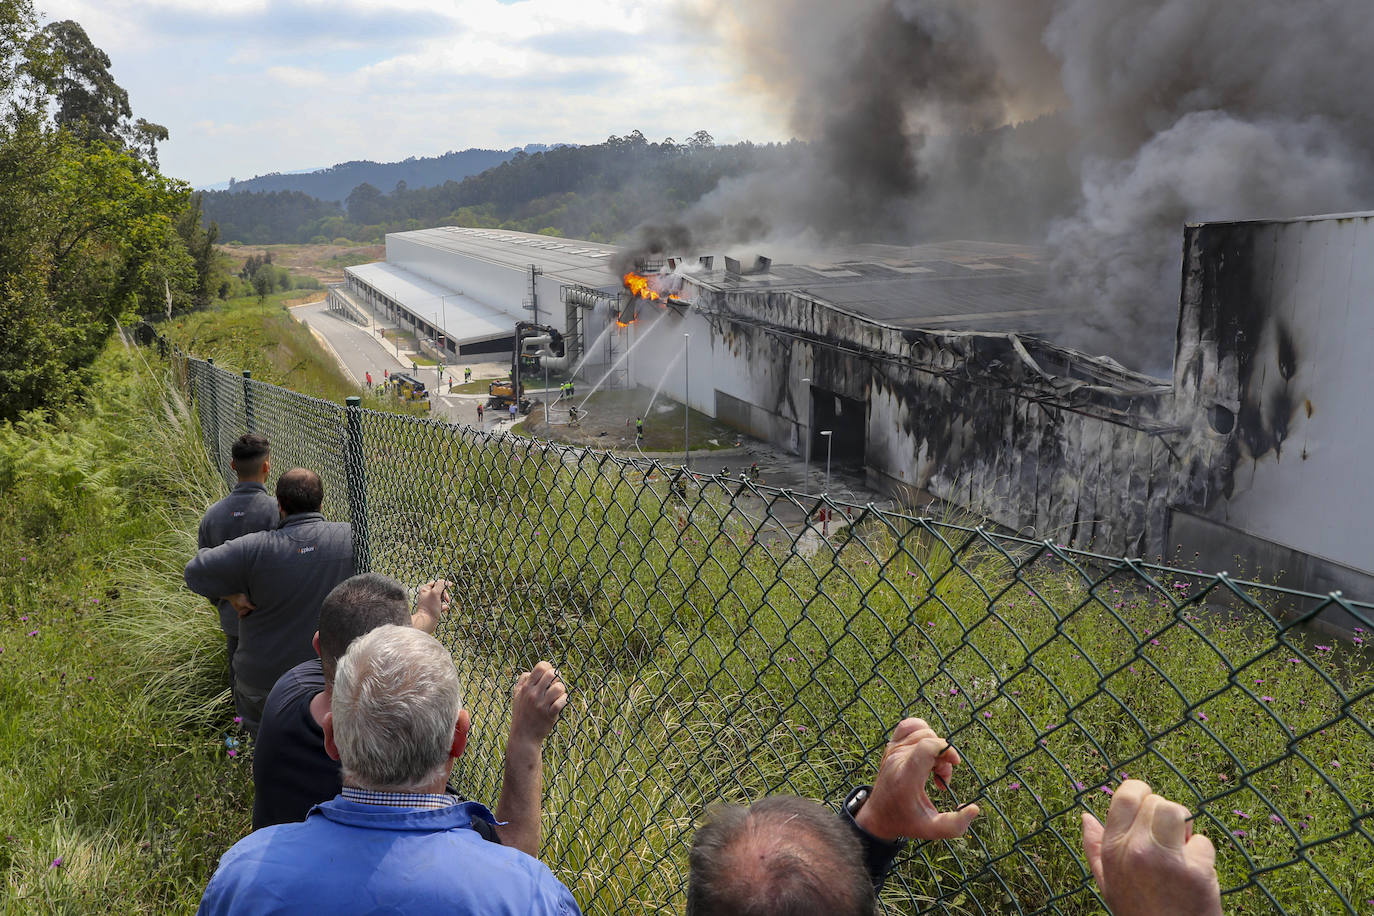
116 790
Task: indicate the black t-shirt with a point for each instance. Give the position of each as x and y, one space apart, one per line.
291 771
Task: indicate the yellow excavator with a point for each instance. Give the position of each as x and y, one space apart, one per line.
536 346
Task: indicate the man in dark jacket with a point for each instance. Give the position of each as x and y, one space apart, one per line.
246 509
280 577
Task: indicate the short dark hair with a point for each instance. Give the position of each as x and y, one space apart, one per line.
785 856
300 490
356 607
249 451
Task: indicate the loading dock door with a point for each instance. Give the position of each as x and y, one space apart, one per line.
847 419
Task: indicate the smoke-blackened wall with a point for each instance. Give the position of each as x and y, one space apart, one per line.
921 115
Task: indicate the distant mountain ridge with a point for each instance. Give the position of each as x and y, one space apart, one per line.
338 181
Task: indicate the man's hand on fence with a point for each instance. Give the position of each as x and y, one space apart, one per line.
241 604
1147 861
899 805
431 603
536 702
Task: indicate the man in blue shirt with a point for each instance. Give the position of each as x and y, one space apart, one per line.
247 508
393 840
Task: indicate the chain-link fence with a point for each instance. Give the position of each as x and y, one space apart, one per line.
723 640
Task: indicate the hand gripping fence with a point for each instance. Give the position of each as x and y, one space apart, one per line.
717 646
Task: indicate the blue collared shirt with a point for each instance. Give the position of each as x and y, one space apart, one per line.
350 857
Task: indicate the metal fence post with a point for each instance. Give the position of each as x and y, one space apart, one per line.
250 422
356 475
213 412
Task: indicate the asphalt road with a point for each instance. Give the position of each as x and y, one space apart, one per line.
358 349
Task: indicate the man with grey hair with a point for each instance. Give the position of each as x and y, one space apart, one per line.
291 771
392 840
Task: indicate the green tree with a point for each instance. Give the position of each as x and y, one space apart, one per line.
88 231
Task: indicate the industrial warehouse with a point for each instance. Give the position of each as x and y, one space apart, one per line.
933 371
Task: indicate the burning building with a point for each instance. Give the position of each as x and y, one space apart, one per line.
934 371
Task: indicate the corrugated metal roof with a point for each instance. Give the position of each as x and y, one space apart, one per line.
568 260
962 285
463 319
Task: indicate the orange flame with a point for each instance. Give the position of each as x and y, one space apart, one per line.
639 286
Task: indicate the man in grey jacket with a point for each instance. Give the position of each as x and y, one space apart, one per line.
277 580
247 508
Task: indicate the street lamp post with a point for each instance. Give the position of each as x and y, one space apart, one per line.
828 439
686 400
442 341
806 477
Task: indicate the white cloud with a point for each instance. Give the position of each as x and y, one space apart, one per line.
249 86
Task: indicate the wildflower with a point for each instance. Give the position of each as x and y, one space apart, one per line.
987 714
1202 716
930 623
1014 786
1276 819
1335 764
1357 641
56 863
1154 642
1240 813
1323 648
1078 785
1259 680
801 728
953 691
24 619
1106 789
1295 661
1240 834
791 659
33 632
232 752
1267 699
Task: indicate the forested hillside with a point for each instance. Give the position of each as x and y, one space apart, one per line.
598 192
335 183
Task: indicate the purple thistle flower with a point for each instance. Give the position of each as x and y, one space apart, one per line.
1240 813
1106 789
56 863
1202 716
232 753
1238 833
1014 786
1267 699
1323 648
987 714
33 632
1078 785
1276 819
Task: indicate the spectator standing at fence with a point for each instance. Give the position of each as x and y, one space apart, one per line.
281 577
479 414
792 855
291 771
392 839
247 508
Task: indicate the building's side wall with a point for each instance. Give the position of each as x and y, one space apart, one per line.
944 416
1274 349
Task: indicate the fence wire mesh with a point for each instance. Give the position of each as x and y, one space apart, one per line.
721 642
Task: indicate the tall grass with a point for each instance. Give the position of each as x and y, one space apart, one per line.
116 792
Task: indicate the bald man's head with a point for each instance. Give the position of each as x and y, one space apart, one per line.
785 856
300 490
